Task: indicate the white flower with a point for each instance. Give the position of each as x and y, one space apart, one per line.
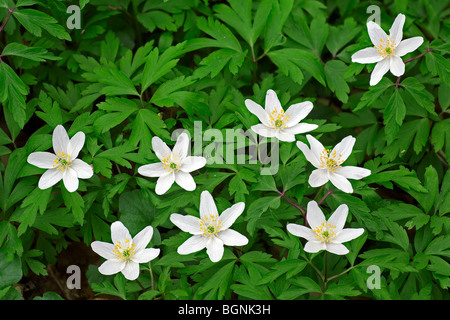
63 164
328 163
325 234
210 230
275 122
125 253
387 50
175 165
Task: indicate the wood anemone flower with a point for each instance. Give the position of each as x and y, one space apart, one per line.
275 122
175 165
328 163
125 253
387 50
211 230
325 234
63 163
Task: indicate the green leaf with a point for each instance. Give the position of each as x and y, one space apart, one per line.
334 72
341 35
74 202
10 270
223 37
118 110
13 90
136 211
393 116
34 21
219 283
438 66
419 94
291 62
31 53
156 19
157 65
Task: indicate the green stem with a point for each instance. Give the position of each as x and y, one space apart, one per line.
151 275
318 192
325 276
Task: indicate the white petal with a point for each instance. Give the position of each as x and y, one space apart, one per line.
193 163
207 205
193 244
314 215
379 71
300 128
76 144
103 249
83 170
343 149
60 139
152 170
142 239
44 160
187 223
301 231
229 216
351 172
160 148
231 237
297 112
339 217
309 155
214 249
340 182
376 34
315 145
181 146
111 267
314 246
272 103
70 180
146 255
367 55
164 183
50 178
258 111
318 178
264 130
336 248
397 66
131 270
408 45
119 233
396 31
348 235
185 180
285 136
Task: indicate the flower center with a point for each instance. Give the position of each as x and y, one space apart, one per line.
171 163
386 48
325 232
329 160
124 252
278 120
210 226
62 161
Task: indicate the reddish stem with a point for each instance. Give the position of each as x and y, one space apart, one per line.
397 83
7 18
295 205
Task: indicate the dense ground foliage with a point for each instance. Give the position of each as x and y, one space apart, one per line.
132 70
